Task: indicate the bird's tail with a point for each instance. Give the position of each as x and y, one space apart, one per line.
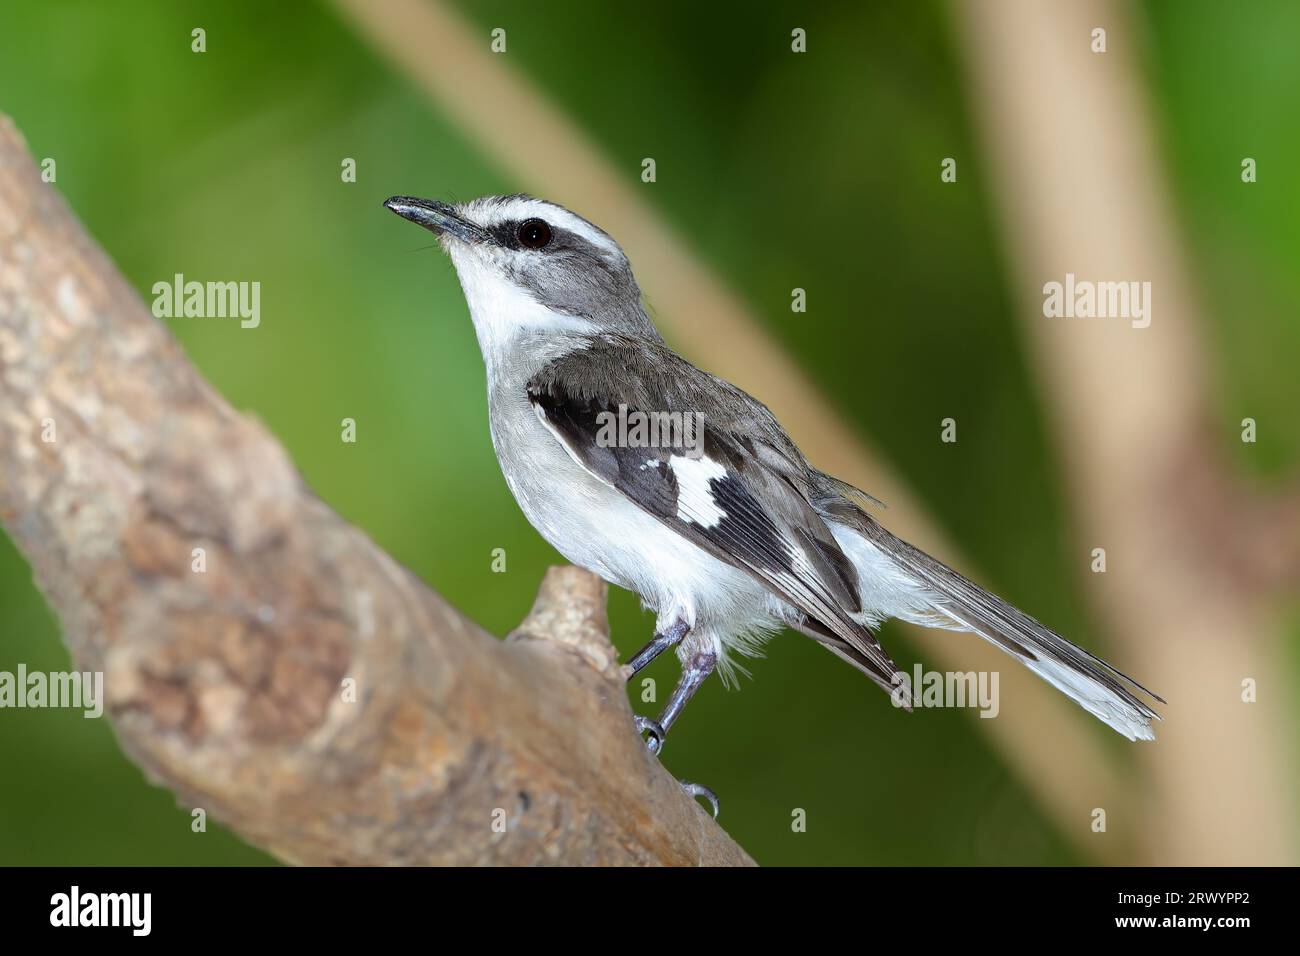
939 596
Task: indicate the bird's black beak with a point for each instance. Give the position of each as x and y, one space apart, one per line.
437 217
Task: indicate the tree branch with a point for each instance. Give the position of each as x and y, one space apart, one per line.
233 685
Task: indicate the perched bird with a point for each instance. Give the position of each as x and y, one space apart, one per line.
728 533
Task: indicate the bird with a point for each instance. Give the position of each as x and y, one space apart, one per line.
715 520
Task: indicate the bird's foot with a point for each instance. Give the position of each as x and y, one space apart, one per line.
653 732
694 790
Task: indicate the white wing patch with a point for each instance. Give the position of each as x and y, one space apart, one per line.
695 501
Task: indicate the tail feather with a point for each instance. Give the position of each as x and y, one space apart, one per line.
1095 685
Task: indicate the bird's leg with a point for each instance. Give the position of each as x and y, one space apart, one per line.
694 671
658 644
670 637
699 667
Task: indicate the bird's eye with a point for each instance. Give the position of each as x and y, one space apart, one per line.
534 233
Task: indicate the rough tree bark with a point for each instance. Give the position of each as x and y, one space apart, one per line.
227 685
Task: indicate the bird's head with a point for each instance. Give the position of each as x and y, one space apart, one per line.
530 265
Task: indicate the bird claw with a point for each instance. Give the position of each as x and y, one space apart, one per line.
700 790
655 742
654 734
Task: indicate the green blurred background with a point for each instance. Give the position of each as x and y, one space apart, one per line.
226 166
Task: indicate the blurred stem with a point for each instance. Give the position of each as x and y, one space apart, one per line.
1196 561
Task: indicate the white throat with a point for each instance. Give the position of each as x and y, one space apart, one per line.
501 310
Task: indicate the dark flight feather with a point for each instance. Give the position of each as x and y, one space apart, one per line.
987 614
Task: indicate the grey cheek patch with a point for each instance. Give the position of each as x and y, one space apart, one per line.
574 277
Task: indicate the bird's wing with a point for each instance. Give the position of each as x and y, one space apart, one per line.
740 492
